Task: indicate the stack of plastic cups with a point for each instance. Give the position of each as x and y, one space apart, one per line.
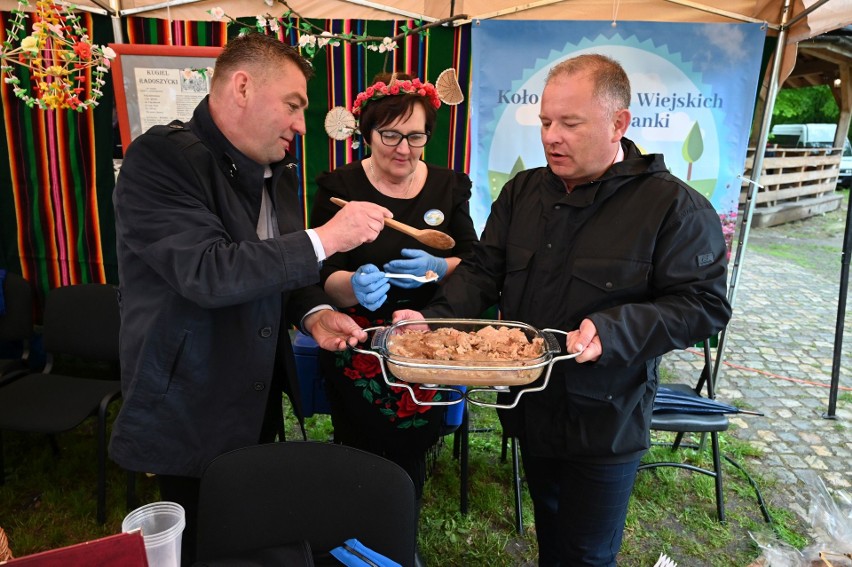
162 526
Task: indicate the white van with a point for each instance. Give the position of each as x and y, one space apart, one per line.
814 136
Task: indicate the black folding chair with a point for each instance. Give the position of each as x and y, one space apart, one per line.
456 422
517 479
16 324
268 496
81 321
690 417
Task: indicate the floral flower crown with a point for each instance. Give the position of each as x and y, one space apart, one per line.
381 90
340 123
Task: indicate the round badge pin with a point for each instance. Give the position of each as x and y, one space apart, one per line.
433 217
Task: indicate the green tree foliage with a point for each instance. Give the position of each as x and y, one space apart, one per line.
805 105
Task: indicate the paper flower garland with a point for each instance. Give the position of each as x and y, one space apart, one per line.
57 55
312 38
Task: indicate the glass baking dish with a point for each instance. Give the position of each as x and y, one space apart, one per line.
484 344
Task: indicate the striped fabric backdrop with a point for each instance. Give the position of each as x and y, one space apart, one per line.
56 220
176 32
56 177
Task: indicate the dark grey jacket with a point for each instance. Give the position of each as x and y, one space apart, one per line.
204 303
639 253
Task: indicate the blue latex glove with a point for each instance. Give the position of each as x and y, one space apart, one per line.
417 263
370 286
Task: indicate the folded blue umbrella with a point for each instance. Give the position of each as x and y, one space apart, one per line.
353 553
676 401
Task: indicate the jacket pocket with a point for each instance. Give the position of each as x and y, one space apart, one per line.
612 278
607 411
518 261
178 362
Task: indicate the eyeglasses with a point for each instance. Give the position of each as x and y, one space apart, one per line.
393 138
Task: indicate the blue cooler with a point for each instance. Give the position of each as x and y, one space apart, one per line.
311 383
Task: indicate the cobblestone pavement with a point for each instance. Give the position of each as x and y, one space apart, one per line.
779 361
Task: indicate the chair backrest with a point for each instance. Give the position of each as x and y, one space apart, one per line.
266 496
17 323
83 320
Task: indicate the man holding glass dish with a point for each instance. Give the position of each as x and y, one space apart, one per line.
604 243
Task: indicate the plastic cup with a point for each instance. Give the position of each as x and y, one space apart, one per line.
162 526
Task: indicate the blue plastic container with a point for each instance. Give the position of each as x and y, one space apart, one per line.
311 382
454 414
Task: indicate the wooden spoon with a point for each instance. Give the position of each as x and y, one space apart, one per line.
433 238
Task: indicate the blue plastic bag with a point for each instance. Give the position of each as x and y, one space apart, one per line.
353 553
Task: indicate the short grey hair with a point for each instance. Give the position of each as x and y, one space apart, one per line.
612 87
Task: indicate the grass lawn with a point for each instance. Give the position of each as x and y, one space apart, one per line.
49 502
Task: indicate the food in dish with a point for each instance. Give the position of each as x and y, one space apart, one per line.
486 344
490 355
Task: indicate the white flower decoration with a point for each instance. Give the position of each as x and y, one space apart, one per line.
269 2
326 38
218 13
274 26
387 45
261 22
306 39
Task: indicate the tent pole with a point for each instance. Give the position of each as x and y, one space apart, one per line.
841 314
117 28
844 102
513 10
757 167
804 13
392 10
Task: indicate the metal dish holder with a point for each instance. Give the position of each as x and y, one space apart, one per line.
457 394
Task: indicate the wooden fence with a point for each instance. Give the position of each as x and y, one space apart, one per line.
797 183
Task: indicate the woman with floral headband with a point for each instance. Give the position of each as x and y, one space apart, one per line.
397 117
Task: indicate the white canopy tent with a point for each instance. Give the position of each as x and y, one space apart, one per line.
807 18
802 19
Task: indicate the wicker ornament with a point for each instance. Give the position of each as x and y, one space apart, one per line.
5 552
339 123
449 90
